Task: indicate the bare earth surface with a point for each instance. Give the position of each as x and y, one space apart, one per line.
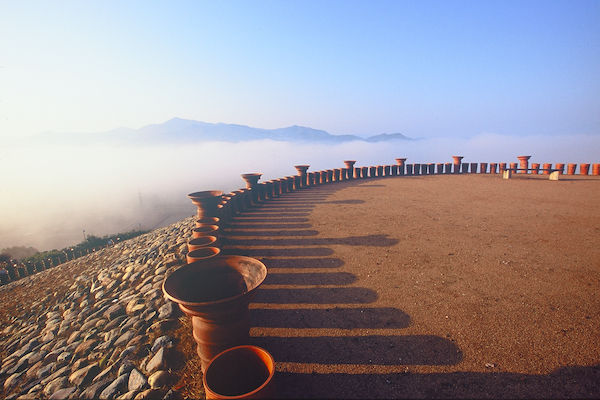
455 286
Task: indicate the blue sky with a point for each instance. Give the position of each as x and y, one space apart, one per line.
426 69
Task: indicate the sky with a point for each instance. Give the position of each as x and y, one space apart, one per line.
425 69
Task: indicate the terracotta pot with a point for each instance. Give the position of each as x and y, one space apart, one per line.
439 168
571 169
207 221
400 162
431 167
473 168
416 169
357 172
386 170
202 241
536 168
261 189
336 174
323 177
372 172
457 161
584 169
502 167
330 176
409 169
207 230
202 253
302 173
483 168
242 372
524 163
447 168
251 179
560 168
513 167
206 202
595 169
547 166
350 167
394 170
297 182
464 168
215 293
364 172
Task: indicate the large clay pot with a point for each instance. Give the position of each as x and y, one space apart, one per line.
252 185
357 172
571 169
215 293
547 166
502 167
372 172
513 167
431 168
364 172
464 168
386 170
595 169
394 170
473 168
439 168
207 221
202 241
447 168
457 161
207 230
536 168
483 168
416 169
584 169
524 163
241 372
401 162
206 202
561 168
493 168
409 169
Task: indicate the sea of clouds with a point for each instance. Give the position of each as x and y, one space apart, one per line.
50 194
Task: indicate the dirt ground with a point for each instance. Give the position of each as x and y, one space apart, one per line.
430 286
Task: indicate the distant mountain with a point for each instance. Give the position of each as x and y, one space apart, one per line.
178 130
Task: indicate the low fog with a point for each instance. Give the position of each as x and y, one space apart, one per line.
49 195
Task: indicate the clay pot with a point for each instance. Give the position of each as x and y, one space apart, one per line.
350 167
302 173
323 177
536 168
364 173
483 168
207 230
386 170
571 169
207 221
416 169
372 172
202 241
431 167
439 168
330 176
394 170
524 163
400 162
457 161
251 179
473 168
584 169
464 168
447 168
513 167
215 293
202 253
242 372
409 169
547 166
206 202
595 169
357 172
502 167
560 168
336 174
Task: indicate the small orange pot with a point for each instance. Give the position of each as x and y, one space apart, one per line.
202 241
241 372
207 230
571 169
202 253
584 169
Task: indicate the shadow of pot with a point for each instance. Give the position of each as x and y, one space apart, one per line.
242 372
202 253
215 293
